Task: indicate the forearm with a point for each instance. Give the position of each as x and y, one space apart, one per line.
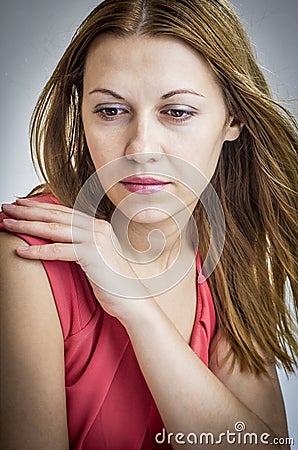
189 397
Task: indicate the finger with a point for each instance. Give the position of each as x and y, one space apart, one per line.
49 252
50 214
45 205
52 231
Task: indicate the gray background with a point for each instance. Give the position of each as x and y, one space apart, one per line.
33 36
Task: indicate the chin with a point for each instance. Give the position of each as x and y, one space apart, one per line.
149 216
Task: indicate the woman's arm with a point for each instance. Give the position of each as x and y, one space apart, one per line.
193 399
33 408
261 394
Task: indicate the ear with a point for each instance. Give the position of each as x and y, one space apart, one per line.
233 129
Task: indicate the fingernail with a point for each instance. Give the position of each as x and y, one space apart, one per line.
8 221
8 205
23 248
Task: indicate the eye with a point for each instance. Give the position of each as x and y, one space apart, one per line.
110 112
178 114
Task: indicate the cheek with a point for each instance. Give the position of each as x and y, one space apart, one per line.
97 155
102 148
203 151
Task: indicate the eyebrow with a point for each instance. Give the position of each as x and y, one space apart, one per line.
107 92
181 91
163 97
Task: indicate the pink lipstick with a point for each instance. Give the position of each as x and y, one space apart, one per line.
143 185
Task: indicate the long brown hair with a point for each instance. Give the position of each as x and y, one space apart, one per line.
256 176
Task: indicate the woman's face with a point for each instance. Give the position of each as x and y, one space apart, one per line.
146 99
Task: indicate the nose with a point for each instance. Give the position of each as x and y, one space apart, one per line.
143 143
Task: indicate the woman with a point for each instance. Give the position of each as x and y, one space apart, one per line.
163 103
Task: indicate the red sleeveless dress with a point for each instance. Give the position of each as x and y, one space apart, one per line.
109 406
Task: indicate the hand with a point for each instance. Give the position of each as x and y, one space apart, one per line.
87 241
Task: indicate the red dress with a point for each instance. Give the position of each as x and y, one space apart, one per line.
109 406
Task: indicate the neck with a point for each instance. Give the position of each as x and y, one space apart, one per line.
153 247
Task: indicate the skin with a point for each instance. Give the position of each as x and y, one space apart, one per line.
142 129
150 120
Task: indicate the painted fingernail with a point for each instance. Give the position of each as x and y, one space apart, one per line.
23 248
9 221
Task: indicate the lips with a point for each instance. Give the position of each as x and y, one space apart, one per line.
143 185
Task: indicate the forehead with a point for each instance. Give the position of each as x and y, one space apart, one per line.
155 61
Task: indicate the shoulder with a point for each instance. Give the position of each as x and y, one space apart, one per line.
32 354
24 287
24 284
15 271
63 283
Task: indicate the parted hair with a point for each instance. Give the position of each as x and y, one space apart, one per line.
255 179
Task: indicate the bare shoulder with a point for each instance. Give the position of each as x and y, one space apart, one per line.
24 286
261 394
14 268
33 411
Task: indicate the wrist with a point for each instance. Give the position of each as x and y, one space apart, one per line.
140 314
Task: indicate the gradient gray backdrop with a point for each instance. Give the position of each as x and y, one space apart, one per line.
33 36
